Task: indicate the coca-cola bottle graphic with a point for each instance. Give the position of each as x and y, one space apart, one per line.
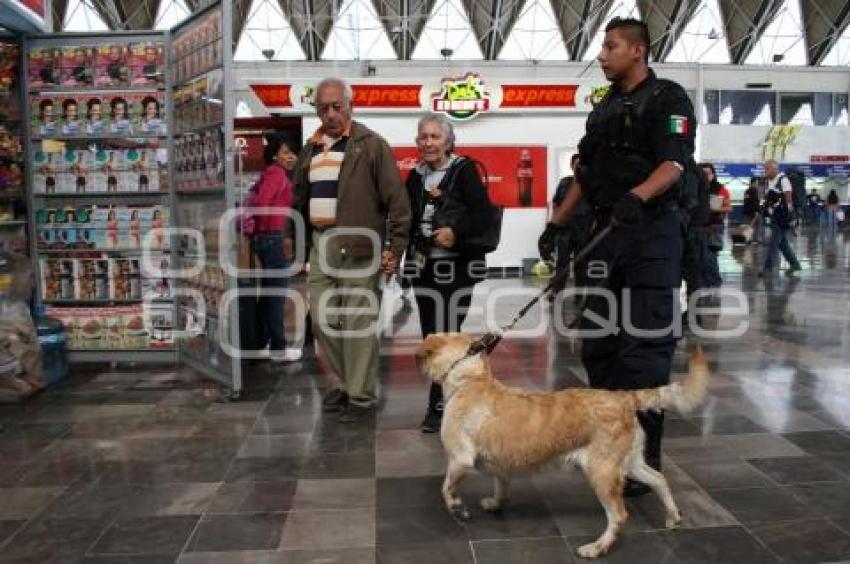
524 178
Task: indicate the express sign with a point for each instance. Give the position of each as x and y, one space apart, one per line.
460 98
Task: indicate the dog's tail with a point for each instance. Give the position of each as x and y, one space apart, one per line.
684 396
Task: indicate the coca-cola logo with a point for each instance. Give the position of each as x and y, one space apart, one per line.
407 163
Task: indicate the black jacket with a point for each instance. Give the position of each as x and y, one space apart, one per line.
464 206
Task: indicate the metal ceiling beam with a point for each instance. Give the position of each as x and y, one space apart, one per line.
492 21
312 22
241 11
578 21
666 20
59 11
745 22
403 21
127 14
825 22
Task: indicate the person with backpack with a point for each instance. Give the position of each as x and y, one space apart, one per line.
636 167
780 218
448 204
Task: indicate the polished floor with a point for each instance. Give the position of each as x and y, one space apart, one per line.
137 465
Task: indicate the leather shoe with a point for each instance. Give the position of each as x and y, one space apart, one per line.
353 413
334 401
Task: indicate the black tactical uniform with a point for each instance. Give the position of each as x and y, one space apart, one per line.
628 136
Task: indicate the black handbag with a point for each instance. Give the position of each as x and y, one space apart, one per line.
485 238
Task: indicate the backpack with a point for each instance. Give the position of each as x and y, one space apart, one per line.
486 239
777 210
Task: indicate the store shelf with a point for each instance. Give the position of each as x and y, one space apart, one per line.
130 137
200 129
140 356
126 252
101 195
137 89
185 81
214 191
4 224
83 303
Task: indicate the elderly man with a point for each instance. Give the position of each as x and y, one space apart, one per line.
780 217
354 204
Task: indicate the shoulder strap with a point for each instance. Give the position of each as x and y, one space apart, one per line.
644 98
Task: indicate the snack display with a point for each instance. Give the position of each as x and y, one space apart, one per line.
117 328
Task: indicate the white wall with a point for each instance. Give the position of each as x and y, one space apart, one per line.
743 143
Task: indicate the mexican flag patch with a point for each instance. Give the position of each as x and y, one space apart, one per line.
679 125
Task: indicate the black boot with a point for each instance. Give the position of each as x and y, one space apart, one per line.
434 416
652 423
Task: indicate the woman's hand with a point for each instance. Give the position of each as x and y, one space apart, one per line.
444 237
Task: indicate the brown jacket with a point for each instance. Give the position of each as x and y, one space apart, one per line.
371 193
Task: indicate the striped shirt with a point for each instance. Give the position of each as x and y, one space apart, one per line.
328 154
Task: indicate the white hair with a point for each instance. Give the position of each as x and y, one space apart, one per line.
445 125
347 93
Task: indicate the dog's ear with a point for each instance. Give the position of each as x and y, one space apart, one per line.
429 346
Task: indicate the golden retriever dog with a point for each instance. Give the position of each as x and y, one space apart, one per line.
502 431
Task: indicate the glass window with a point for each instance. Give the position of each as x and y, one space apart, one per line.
823 108
839 109
747 107
711 106
796 108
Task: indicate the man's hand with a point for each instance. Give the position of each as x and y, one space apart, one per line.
389 263
288 249
628 210
546 242
444 237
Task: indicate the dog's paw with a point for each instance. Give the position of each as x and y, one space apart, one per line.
673 521
491 504
459 512
592 550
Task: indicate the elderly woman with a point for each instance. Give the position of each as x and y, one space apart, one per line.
448 201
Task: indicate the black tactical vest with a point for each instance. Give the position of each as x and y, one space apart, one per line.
619 155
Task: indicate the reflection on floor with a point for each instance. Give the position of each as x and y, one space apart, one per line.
145 466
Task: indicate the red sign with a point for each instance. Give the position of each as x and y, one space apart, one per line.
538 96
517 175
37 6
273 95
386 95
829 158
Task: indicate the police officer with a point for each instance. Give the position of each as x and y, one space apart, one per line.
635 156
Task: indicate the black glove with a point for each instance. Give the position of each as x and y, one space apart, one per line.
628 210
546 243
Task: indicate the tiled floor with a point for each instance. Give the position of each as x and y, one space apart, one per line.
132 465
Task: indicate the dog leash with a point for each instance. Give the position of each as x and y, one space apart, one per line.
489 341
